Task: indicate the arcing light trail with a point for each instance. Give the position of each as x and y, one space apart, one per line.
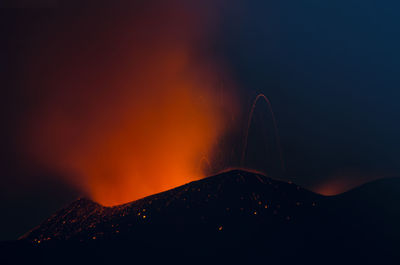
204 165
258 97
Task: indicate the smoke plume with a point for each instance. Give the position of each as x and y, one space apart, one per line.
124 104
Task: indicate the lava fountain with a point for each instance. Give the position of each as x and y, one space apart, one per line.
123 104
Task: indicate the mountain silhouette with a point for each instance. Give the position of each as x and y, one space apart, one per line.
235 216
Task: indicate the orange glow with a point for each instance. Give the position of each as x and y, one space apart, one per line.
343 182
333 187
126 108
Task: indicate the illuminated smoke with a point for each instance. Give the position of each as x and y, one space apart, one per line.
124 104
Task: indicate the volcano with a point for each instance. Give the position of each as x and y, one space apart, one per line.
237 215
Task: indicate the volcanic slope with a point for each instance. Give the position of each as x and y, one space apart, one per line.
233 216
225 203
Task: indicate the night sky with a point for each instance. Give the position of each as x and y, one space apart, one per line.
330 69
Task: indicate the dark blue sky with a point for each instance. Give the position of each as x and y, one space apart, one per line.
331 70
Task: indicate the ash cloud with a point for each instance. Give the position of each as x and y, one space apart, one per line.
123 104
